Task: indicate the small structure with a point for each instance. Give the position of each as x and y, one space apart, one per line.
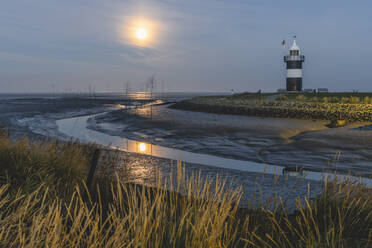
308 90
322 90
294 68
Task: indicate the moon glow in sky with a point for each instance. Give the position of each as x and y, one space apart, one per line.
141 33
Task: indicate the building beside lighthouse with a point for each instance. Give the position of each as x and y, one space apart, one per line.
294 68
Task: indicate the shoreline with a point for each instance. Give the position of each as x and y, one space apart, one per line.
337 112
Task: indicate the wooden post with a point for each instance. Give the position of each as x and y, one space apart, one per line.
93 166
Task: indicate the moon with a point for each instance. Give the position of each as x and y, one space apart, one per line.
141 33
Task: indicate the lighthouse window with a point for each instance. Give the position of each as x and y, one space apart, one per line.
294 53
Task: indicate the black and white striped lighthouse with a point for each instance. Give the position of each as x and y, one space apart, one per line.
294 68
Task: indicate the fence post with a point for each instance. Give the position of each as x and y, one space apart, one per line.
93 166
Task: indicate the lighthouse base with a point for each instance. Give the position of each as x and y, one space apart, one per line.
294 84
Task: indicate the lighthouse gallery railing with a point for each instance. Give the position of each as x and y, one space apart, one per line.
294 58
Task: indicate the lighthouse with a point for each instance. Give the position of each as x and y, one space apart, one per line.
294 68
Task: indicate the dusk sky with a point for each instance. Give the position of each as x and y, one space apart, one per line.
193 45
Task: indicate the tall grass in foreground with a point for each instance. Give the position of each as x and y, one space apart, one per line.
26 165
197 212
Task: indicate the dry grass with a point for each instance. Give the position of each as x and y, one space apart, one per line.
27 165
180 212
136 216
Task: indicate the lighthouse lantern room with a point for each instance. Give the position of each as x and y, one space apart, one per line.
294 68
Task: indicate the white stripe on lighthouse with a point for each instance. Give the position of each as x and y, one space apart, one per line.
294 73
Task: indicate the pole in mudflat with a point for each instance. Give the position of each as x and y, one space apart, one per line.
294 68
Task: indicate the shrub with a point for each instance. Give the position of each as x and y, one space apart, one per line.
301 98
345 100
334 99
355 99
282 98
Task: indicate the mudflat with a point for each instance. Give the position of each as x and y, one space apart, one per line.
280 141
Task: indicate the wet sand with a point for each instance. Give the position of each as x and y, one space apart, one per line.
35 117
286 142
347 149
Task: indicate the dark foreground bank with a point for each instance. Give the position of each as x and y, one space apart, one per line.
45 202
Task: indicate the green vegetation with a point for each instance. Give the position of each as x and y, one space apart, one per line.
335 107
44 203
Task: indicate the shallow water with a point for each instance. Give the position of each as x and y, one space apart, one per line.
77 127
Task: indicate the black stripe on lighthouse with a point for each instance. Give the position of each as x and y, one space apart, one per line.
294 77
294 84
294 64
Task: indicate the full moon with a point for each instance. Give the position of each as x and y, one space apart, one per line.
141 33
